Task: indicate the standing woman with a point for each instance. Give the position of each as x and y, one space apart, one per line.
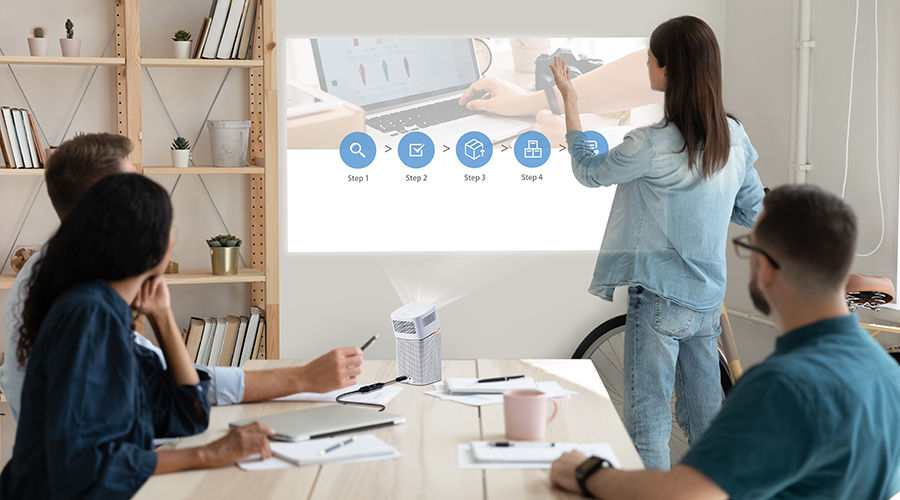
680 183
93 399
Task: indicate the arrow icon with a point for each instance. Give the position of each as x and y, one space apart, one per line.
446 148
561 148
505 147
387 148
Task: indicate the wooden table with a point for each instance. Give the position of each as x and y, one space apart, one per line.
428 441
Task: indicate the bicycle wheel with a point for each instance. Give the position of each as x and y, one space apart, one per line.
605 347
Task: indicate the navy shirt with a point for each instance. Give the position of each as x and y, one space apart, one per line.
92 402
817 419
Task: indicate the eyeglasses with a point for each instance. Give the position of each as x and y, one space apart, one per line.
744 249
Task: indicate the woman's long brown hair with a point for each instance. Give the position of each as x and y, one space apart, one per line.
687 48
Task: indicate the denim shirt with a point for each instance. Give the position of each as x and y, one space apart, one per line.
667 228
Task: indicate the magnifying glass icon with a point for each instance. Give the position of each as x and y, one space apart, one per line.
356 149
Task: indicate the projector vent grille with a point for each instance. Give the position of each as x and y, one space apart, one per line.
429 319
407 327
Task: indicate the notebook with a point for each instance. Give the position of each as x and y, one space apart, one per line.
471 386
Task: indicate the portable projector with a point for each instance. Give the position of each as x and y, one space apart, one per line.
417 333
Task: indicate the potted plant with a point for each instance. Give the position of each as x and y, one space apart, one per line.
37 45
224 252
181 152
182 41
70 46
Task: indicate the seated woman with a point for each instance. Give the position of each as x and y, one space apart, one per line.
93 400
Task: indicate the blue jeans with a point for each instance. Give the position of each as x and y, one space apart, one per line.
668 345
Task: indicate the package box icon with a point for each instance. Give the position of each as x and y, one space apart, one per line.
474 149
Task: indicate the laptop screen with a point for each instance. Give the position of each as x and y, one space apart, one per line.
380 72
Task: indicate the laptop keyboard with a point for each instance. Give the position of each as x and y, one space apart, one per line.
418 118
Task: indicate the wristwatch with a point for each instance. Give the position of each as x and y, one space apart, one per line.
587 469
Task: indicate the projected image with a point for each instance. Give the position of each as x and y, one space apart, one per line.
451 144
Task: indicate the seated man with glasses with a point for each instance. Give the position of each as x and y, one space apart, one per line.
816 419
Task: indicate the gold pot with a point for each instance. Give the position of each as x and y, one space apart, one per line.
224 259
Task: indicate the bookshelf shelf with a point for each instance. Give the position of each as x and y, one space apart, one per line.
204 170
63 61
207 278
22 171
6 281
201 63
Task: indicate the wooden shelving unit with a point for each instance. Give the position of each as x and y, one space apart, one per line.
63 61
262 273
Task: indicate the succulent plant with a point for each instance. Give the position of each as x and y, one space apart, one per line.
38 31
181 143
70 29
182 36
224 240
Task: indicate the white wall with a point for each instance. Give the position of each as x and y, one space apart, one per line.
54 93
512 304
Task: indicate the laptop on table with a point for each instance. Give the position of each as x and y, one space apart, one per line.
409 84
323 421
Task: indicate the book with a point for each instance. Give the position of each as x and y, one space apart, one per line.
201 41
32 148
218 12
239 341
252 331
231 329
195 333
14 152
37 141
5 145
237 36
209 329
19 123
215 351
259 349
247 33
226 43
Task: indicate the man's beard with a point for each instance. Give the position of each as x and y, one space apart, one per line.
759 301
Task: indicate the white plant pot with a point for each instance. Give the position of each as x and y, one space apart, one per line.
70 47
228 140
526 50
181 157
182 49
38 46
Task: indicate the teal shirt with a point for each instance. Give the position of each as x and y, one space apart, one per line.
668 227
819 418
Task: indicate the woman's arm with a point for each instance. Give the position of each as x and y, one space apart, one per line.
239 443
154 301
569 95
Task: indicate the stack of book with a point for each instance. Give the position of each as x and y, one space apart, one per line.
19 141
227 340
228 31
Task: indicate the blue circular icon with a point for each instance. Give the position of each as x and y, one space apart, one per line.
596 144
358 150
415 150
532 149
474 149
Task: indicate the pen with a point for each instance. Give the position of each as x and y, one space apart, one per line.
337 445
525 444
499 379
368 342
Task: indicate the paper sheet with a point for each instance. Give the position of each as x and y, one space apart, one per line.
379 449
551 388
383 396
466 458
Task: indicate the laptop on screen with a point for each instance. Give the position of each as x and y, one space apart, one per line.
406 84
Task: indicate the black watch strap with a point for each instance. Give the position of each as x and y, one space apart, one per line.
551 100
587 469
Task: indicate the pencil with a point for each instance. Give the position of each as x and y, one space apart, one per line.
369 342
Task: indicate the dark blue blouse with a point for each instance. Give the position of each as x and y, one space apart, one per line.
92 403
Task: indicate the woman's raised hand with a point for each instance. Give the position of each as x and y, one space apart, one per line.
563 80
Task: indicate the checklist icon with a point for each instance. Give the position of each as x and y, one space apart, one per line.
416 150
592 147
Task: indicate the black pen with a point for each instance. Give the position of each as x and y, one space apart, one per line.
369 342
499 379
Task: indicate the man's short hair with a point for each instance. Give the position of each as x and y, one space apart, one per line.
79 163
811 233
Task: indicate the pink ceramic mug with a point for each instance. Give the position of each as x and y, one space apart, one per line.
525 414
